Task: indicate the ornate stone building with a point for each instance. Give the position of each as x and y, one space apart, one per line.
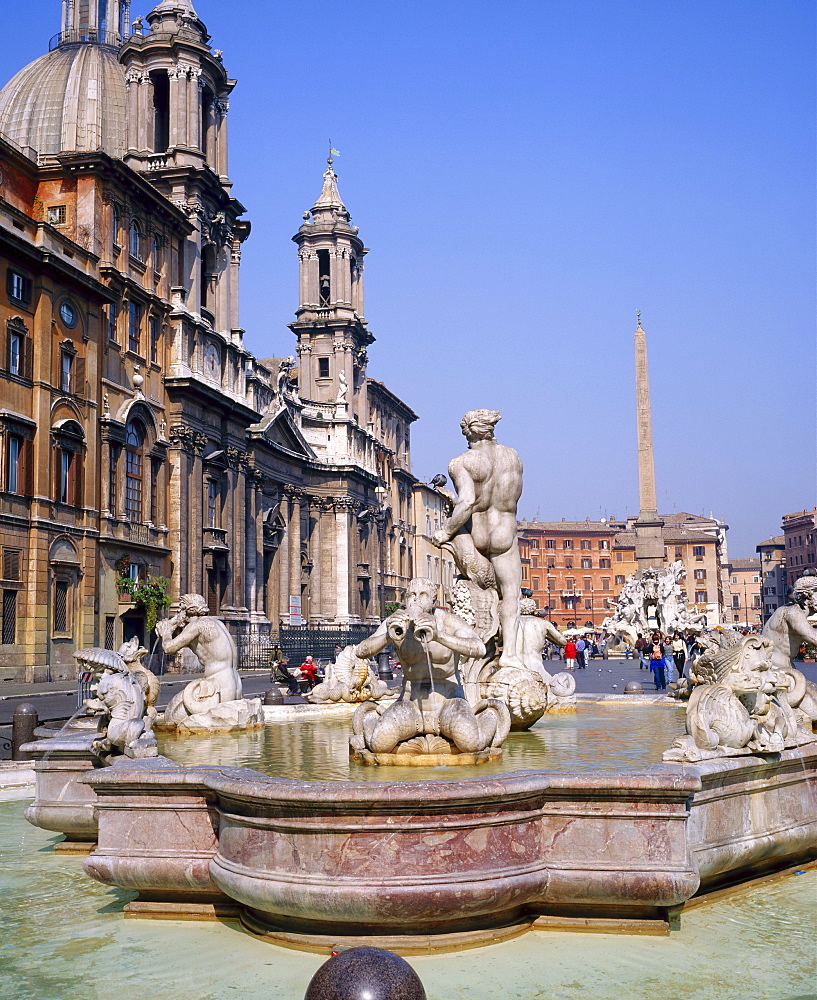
138 436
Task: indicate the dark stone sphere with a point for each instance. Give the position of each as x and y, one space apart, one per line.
365 974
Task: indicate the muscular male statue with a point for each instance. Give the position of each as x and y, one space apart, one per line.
429 642
481 531
787 628
195 628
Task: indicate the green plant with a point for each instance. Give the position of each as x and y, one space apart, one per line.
151 593
392 606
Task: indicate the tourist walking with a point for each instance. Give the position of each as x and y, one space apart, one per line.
657 650
581 654
679 654
602 644
640 644
570 655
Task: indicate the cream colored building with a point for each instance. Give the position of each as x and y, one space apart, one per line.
745 592
430 561
699 543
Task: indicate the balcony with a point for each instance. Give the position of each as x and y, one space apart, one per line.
214 540
134 533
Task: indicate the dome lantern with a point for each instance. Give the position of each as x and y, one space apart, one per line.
97 22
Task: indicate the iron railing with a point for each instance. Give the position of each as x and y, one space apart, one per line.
77 36
297 642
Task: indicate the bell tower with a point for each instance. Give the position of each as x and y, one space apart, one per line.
330 325
178 97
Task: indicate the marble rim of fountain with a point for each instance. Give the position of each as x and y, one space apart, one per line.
318 860
304 861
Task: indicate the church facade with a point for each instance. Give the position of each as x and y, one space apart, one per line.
144 450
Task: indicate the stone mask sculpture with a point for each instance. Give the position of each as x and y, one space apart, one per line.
431 723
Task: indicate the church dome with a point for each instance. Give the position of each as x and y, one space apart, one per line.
72 99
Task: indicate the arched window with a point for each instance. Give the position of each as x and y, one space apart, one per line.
134 469
69 444
135 240
208 270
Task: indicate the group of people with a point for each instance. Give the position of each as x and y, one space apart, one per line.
308 671
578 653
662 657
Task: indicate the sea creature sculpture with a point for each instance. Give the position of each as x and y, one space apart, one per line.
738 705
432 722
125 720
349 679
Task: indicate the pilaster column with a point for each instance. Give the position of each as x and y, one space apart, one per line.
335 277
105 478
315 556
344 549
143 107
295 543
176 85
312 286
222 107
195 86
132 87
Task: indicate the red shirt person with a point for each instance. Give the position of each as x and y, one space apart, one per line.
309 670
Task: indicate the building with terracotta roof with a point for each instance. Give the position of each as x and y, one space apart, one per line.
577 568
745 593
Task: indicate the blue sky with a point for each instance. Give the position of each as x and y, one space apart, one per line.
527 175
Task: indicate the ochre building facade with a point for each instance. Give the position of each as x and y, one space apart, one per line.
140 440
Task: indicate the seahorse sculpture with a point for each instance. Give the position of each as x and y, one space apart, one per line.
738 705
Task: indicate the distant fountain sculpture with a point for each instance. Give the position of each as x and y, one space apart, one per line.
212 703
351 680
124 698
739 705
653 599
431 723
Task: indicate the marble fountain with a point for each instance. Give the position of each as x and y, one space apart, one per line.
418 861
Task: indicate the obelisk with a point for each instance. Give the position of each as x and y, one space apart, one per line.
649 541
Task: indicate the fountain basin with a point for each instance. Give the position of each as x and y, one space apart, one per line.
310 861
63 804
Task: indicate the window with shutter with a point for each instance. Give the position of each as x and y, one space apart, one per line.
78 377
11 564
61 620
27 467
